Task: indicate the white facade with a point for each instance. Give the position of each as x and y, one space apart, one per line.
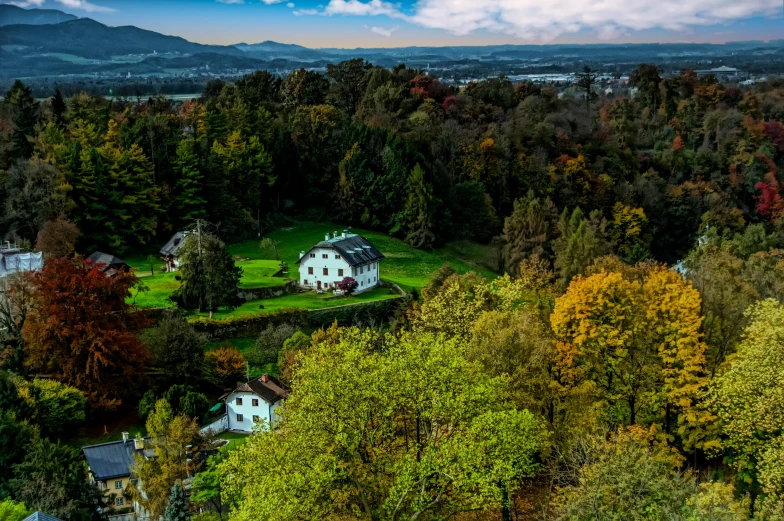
323 267
245 409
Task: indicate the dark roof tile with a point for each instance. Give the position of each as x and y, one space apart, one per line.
354 249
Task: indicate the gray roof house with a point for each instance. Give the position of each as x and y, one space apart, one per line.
108 263
171 250
40 516
113 459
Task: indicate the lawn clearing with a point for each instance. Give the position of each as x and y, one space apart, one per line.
255 274
404 265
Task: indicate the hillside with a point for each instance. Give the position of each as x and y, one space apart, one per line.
89 39
12 15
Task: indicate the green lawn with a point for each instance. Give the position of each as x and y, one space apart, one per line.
235 439
309 300
256 273
404 265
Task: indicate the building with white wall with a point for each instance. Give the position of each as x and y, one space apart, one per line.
339 256
255 402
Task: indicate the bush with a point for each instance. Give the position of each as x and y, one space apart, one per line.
224 366
146 404
269 344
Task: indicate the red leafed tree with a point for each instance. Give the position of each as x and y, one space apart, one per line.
775 132
81 330
348 285
769 201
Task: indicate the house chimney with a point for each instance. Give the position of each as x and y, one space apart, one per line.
125 436
326 237
344 234
335 234
138 442
265 378
301 254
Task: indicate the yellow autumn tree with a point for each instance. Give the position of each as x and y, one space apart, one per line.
637 338
628 231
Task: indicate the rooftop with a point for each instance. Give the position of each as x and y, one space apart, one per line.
269 388
353 248
40 516
110 460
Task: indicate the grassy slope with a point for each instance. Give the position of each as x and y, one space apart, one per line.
404 265
255 274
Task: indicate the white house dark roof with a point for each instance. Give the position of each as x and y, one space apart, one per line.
271 390
354 249
40 516
110 460
172 248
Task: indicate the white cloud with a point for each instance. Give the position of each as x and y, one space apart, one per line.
544 20
231 2
306 12
383 31
290 5
84 5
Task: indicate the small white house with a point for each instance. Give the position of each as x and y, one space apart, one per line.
254 402
339 256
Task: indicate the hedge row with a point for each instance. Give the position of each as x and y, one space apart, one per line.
374 312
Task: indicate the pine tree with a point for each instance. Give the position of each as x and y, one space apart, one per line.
178 506
59 108
187 194
417 215
581 241
24 115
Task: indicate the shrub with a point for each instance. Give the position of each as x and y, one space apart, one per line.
269 344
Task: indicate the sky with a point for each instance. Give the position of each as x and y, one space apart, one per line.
384 23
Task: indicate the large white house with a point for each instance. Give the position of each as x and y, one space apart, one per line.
339 256
255 401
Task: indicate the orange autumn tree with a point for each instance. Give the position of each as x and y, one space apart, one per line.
636 336
81 330
224 366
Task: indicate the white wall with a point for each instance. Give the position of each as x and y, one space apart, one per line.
318 264
247 410
367 276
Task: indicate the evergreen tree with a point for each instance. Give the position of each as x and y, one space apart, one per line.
58 108
24 116
187 196
417 215
528 230
178 506
580 243
209 275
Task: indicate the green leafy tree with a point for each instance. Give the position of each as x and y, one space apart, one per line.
54 406
405 436
303 87
269 344
147 403
35 193
630 476
206 487
176 349
350 80
177 509
11 510
52 478
747 400
15 437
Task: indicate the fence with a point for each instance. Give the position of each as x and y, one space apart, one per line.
219 425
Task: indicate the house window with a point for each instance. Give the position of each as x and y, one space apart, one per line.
310 270
240 418
362 269
118 484
312 255
340 272
337 257
326 271
324 256
361 282
118 501
305 282
255 418
255 402
238 401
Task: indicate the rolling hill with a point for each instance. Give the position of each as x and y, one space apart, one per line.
13 15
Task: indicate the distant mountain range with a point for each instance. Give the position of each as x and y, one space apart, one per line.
47 42
11 14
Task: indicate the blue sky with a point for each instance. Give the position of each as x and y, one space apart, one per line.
391 23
